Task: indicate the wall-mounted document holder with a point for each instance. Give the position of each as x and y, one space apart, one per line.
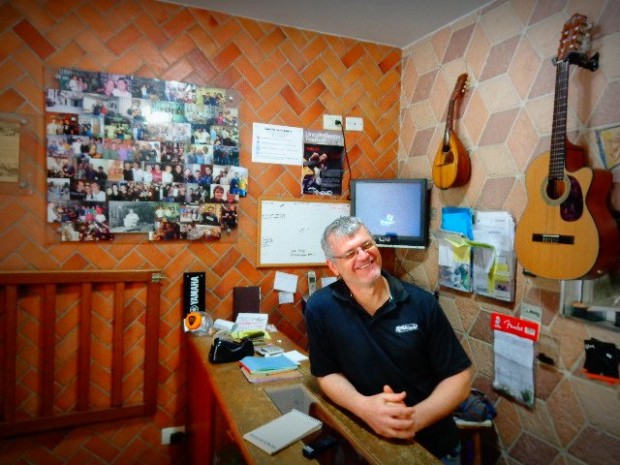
485 265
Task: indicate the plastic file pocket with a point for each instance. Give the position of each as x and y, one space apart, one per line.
485 265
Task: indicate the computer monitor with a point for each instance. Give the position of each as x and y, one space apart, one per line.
395 211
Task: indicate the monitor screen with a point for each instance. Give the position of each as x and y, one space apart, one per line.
395 211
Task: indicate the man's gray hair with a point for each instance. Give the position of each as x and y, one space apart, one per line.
344 226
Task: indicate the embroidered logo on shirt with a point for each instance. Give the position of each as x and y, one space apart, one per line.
407 328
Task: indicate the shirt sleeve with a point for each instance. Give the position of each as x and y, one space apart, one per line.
320 350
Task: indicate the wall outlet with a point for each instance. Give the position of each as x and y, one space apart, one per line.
354 123
329 122
167 432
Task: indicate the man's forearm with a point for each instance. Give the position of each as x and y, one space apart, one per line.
341 391
444 399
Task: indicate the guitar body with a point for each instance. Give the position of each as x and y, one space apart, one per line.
573 236
452 166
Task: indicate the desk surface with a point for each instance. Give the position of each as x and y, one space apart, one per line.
247 406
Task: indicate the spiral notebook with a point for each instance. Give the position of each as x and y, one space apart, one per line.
274 436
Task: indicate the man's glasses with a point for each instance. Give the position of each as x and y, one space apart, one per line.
366 246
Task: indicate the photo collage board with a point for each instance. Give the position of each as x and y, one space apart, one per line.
127 154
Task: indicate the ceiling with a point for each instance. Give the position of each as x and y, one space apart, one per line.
397 23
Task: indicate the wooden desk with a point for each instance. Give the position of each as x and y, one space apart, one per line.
223 388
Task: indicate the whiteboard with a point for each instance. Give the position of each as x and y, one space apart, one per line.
290 230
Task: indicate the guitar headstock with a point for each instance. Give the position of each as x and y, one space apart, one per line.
460 87
575 41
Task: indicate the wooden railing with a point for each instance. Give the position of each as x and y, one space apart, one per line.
36 308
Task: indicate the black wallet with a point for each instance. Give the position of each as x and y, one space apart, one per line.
225 350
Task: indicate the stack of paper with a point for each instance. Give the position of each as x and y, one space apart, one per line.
265 369
283 431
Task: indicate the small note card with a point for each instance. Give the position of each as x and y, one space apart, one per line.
274 436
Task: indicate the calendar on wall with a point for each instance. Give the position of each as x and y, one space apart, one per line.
127 154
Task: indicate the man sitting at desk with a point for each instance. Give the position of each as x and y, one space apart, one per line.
383 348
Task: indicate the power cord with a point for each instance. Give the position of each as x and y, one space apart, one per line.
346 157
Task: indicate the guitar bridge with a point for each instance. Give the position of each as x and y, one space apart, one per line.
553 238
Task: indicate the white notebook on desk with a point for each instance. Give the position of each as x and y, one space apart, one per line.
274 436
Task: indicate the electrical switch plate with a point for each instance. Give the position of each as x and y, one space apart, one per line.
354 123
329 122
167 432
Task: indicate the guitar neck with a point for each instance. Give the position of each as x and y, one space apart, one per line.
557 160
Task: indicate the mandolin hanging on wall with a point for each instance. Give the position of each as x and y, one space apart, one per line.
567 230
452 166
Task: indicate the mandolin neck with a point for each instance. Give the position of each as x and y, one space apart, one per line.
446 134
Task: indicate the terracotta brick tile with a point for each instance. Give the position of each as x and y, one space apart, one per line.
227 56
313 91
317 69
292 77
352 56
271 107
313 50
205 43
9 16
118 42
351 97
272 40
226 32
34 39
9 72
389 103
391 61
333 84
178 48
103 449
312 116
178 71
226 284
178 23
226 262
61 33
266 65
96 22
252 28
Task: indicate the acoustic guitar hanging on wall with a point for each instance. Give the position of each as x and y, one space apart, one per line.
567 230
452 166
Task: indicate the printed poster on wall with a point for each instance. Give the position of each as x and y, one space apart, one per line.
323 159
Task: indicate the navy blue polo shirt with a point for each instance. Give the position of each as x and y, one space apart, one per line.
408 344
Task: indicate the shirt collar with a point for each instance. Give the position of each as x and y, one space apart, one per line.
397 291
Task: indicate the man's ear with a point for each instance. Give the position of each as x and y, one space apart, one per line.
332 268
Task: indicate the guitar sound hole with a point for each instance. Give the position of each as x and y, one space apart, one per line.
572 208
555 189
